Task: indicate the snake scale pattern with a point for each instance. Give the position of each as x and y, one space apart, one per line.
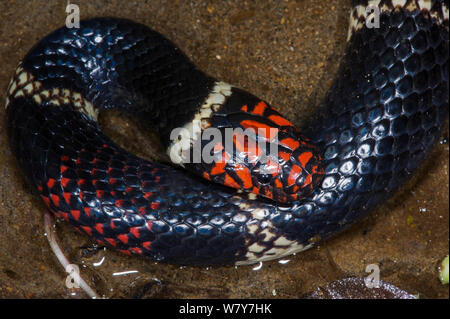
379 121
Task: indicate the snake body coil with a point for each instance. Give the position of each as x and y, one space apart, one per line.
376 126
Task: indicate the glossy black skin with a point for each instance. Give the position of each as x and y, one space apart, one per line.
376 126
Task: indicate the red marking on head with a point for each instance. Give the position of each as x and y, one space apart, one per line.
78 161
259 108
308 180
251 150
290 143
244 108
229 181
148 225
285 156
254 125
142 210
260 129
304 158
63 168
87 211
65 158
244 174
100 193
239 142
278 184
293 174
279 120
218 168
146 245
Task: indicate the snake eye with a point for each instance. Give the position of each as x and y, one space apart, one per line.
264 178
300 180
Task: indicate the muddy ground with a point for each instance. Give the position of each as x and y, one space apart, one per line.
287 53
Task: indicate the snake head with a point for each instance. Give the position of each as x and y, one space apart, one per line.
255 149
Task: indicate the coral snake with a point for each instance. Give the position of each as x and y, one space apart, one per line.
376 125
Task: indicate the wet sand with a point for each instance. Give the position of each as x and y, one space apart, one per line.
285 52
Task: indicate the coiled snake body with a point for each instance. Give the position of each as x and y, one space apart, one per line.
379 121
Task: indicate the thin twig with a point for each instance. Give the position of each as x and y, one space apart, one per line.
53 241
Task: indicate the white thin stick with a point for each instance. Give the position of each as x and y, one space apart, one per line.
53 241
